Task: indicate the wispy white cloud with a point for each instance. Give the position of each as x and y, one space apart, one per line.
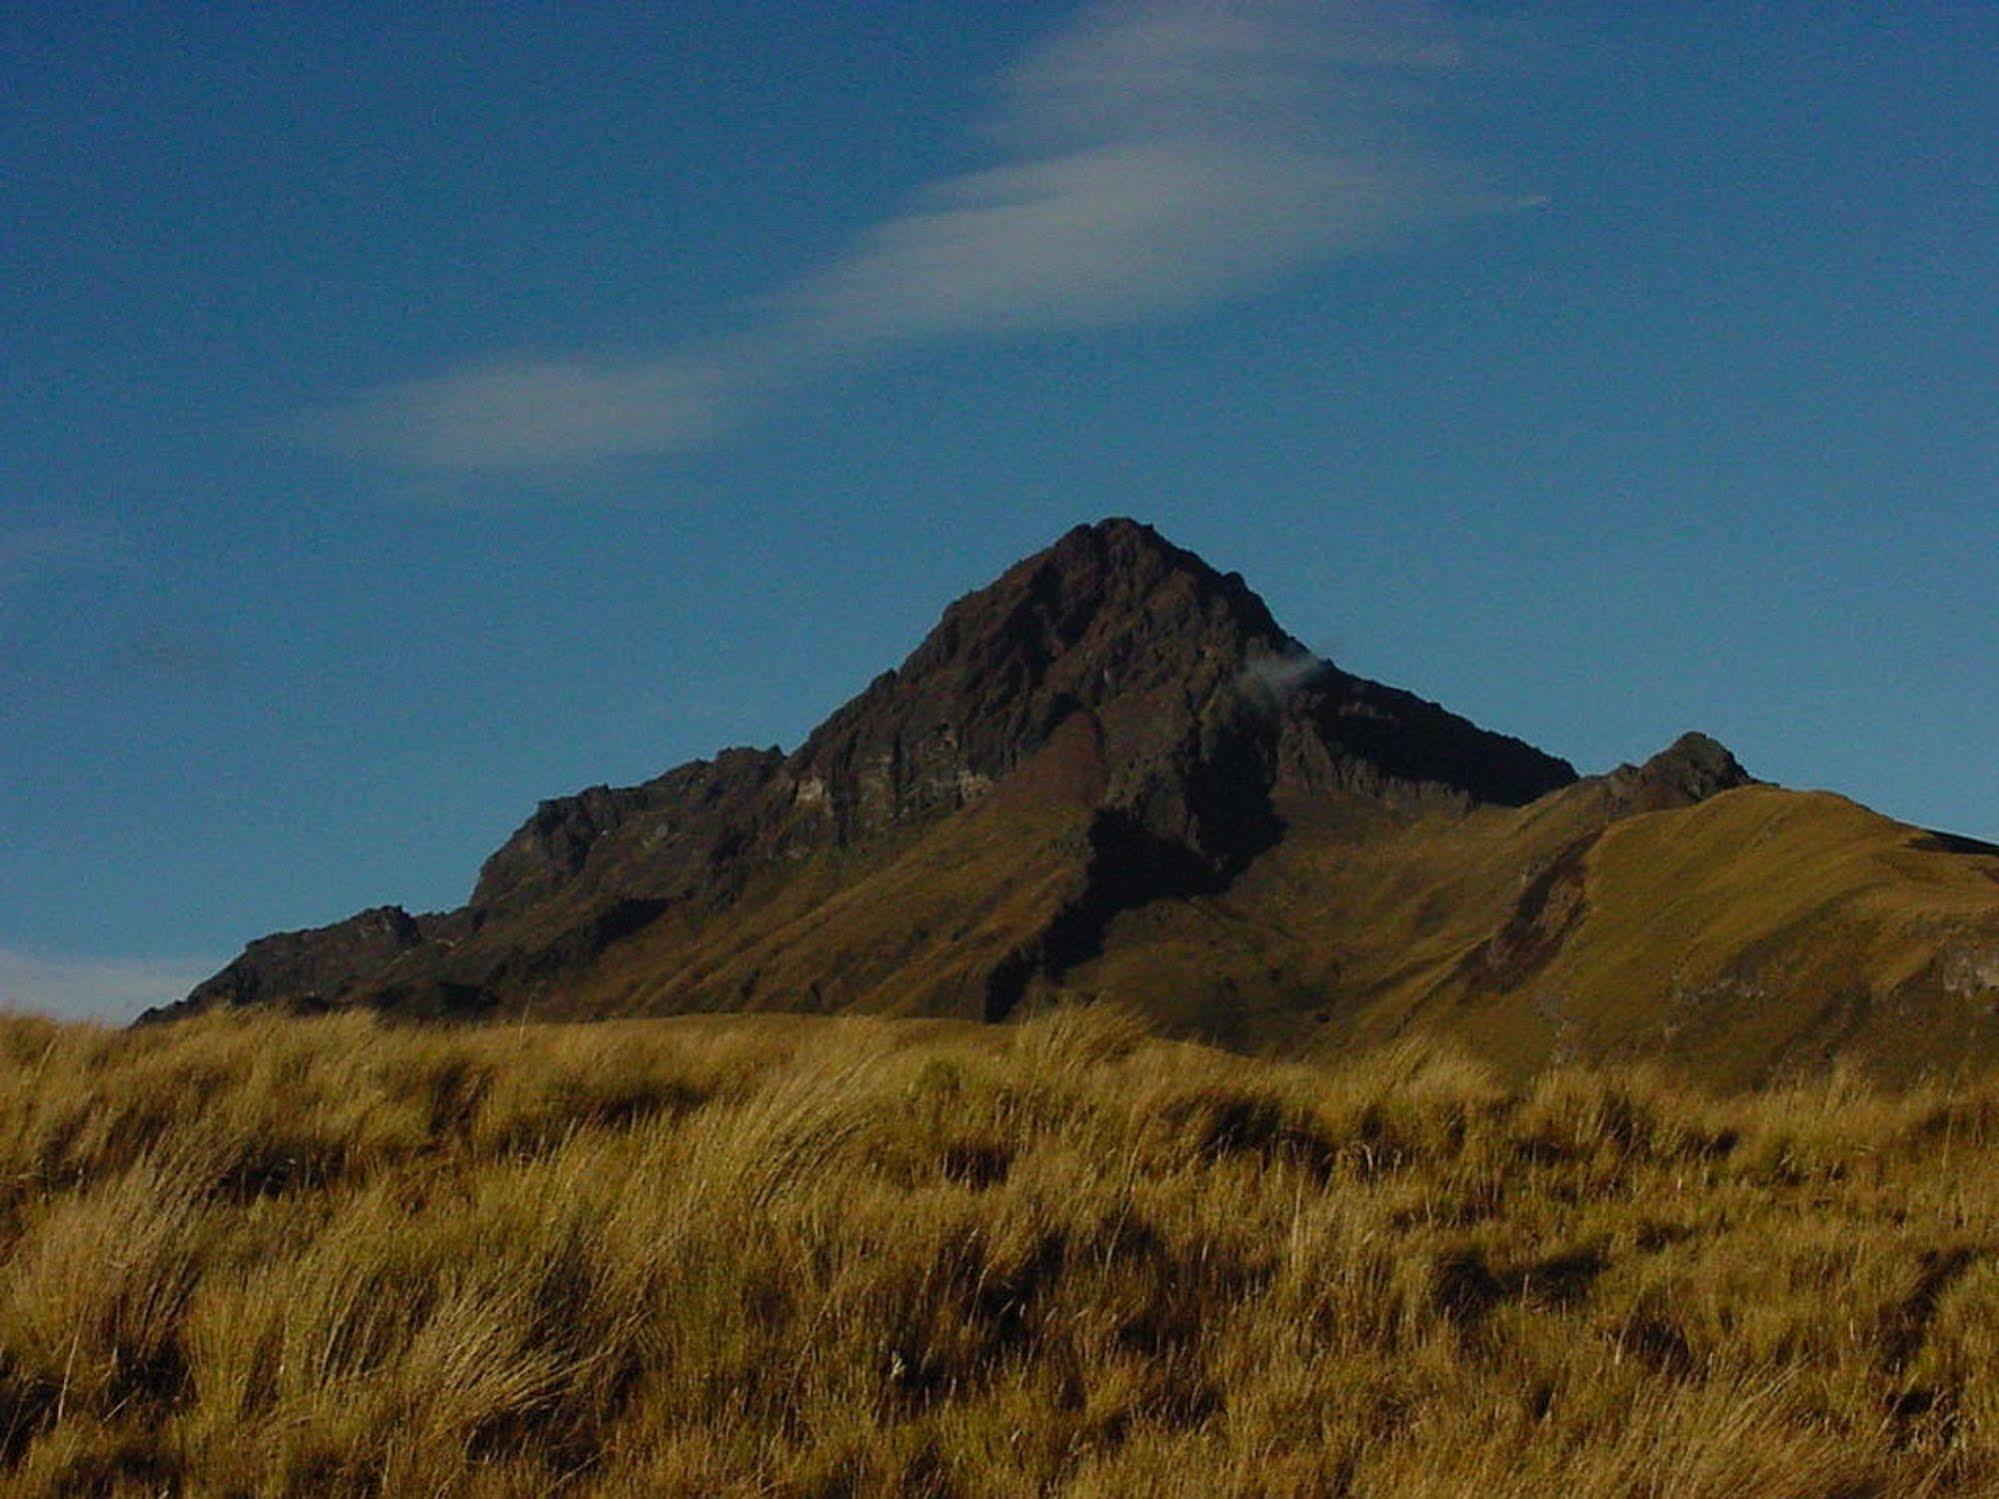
1146 161
1161 158
107 989
1277 676
532 412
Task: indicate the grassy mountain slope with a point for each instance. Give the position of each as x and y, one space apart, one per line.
1758 932
916 928
1768 928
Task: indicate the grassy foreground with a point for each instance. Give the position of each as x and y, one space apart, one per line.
849 1257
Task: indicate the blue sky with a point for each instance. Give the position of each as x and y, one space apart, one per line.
407 417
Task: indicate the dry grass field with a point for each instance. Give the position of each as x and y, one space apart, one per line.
848 1257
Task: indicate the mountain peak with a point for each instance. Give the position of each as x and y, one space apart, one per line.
1110 773
1691 769
1119 534
1116 685
1123 576
1120 543
1111 621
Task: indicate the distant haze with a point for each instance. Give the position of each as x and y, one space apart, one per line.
106 989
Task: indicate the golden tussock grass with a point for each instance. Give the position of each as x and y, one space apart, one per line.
329 1257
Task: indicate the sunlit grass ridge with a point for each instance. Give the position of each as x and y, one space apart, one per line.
271 1256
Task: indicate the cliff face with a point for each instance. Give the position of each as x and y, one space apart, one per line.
1110 773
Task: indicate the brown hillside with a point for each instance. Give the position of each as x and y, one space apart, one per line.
1755 934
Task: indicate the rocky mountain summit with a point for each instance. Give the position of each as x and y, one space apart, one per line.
1109 771
1181 710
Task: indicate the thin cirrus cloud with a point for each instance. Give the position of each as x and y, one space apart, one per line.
104 989
1164 158
525 414
1151 160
